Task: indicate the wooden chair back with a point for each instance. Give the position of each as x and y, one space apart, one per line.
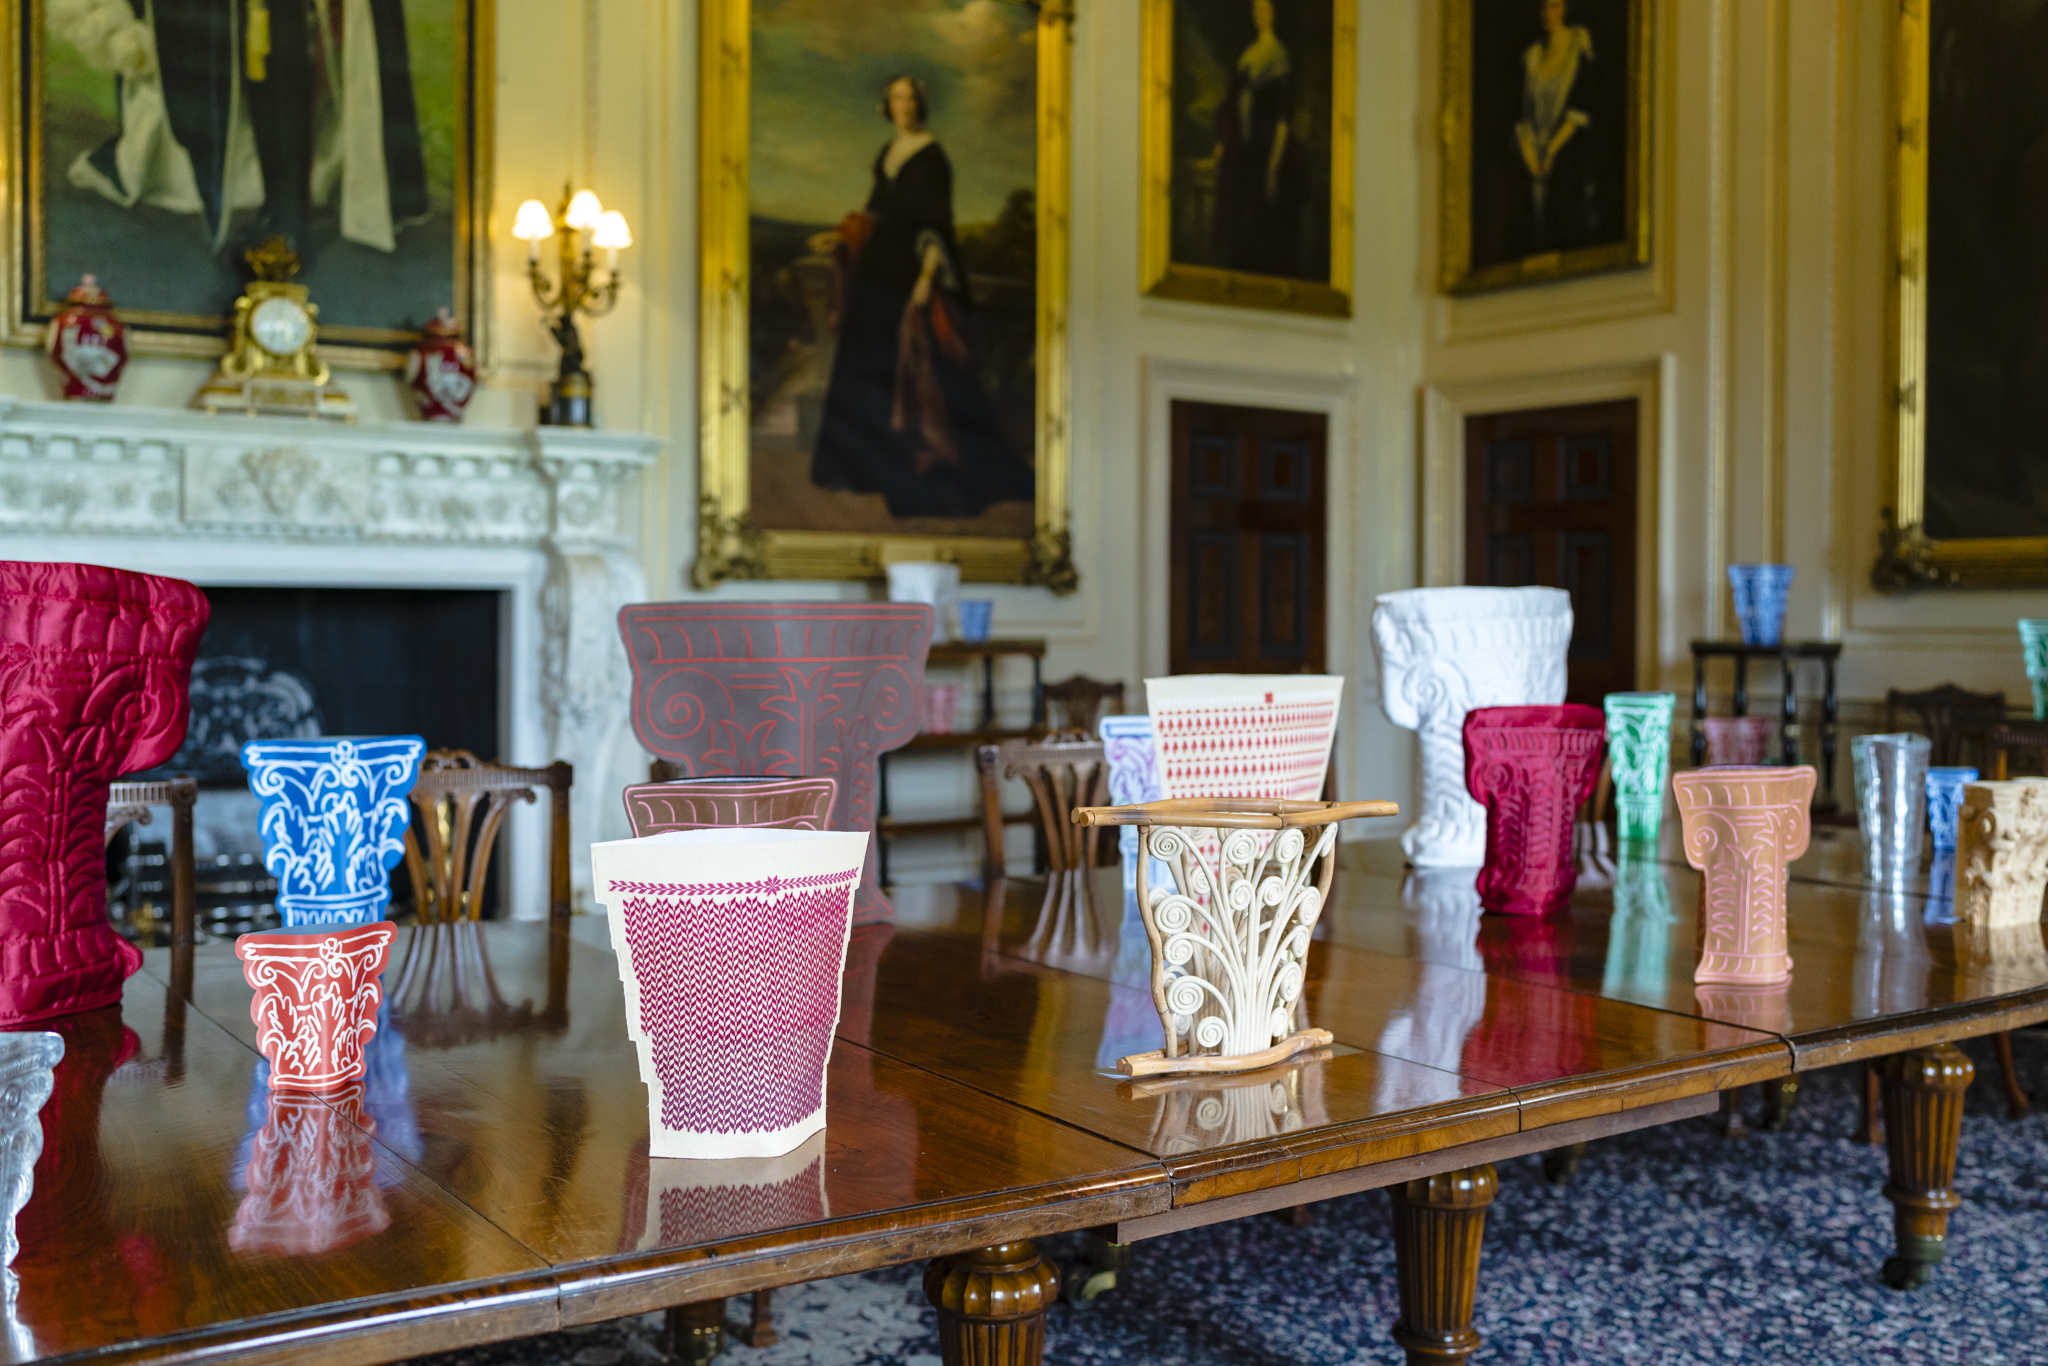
2025 740
1063 772
130 803
1081 698
448 879
1947 716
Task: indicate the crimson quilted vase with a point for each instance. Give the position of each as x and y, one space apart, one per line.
94 667
784 690
1530 767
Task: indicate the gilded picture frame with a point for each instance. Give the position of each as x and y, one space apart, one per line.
1487 247
735 540
450 101
1908 557
1165 174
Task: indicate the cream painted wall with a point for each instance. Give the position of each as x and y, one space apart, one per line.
1764 313
1755 337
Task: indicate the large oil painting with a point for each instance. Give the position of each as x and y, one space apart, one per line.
1546 140
153 144
893 216
1969 497
900 227
1248 152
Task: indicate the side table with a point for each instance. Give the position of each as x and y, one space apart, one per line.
985 732
1787 655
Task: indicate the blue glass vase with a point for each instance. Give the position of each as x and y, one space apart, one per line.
2034 647
1760 593
333 821
1945 802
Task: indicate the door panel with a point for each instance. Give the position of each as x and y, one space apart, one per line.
1248 534
1550 499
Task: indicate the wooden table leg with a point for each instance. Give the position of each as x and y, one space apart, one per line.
1780 1095
1923 1123
761 1327
992 1304
1438 1225
1562 1164
696 1332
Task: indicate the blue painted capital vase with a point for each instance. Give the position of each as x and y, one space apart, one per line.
334 816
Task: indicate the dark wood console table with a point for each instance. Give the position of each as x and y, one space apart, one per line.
1788 656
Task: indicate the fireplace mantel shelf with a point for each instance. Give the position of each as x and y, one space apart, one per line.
102 470
546 516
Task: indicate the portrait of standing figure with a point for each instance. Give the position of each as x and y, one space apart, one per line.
1242 137
905 413
892 223
1546 173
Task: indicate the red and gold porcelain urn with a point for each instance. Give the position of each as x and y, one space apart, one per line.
441 370
87 343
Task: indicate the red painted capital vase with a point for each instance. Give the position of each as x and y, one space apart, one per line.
441 370
316 1001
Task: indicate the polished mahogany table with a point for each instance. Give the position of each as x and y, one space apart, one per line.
490 1178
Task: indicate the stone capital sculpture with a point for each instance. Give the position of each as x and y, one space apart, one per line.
1531 767
1743 828
2002 852
1444 651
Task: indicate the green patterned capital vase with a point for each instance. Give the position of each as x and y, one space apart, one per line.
2034 643
1639 744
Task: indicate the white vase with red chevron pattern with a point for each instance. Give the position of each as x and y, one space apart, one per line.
731 944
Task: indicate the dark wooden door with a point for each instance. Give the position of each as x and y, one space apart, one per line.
1550 499
1247 543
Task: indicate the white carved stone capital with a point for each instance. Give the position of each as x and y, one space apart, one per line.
2002 852
1444 651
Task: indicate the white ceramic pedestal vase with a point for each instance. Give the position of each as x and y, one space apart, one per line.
1444 651
731 944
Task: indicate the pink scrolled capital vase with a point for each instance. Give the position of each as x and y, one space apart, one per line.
1743 827
1531 767
95 665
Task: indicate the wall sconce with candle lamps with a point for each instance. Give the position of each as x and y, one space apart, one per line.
585 227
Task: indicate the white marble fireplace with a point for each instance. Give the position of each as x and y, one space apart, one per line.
541 516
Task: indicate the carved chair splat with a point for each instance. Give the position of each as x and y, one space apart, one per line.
1948 715
1082 700
448 881
1062 772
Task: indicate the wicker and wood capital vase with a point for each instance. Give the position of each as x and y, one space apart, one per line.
1230 934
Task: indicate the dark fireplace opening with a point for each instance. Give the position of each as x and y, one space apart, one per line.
282 662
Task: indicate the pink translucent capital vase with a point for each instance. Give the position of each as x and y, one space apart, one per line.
95 664
1531 767
1743 828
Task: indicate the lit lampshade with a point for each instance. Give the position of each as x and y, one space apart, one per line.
612 232
532 222
584 211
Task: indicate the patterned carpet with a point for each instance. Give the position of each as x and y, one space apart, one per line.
1673 1246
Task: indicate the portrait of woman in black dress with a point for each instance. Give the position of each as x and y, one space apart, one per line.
906 414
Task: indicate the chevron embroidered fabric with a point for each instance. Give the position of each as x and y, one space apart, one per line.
739 994
94 667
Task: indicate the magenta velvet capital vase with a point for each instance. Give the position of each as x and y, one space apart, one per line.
95 665
1531 767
